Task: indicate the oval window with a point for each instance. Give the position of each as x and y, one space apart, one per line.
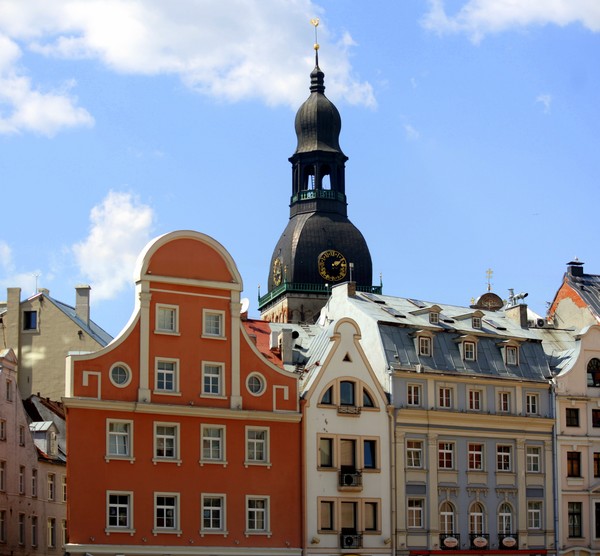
256 384
120 375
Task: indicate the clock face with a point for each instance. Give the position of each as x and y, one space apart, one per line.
332 265
277 271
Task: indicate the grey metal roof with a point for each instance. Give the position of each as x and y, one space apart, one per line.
588 287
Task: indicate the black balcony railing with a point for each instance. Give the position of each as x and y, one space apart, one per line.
479 541
350 478
449 541
507 541
351 540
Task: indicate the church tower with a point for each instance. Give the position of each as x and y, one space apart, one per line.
320 247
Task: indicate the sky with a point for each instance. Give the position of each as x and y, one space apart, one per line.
472 129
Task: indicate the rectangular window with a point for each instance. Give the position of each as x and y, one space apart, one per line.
64 488
166 376
476 322
119 510
445 397
213 443
503 458
573 464
34 531
212 379
595 417
533 459
369 454
166 318
21 479
63 528
119 438
213 324
532 404
21 435
475 457
424 346
446 455
597 520
597 466
51 537
414 454
371 516
2 476
475 397
166 508
326 515
469 351
21 529
213 512
257 445
512 355
9 394
2 429
414 394
257 516
415 513
534 515
34 482
2 525
325 452
574 512
504 402
434 318
166 441
572 416
51 486
30 320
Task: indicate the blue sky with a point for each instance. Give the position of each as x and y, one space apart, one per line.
471 127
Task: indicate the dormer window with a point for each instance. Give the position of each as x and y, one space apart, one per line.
425 346
512 355
476 322
434 318
469 351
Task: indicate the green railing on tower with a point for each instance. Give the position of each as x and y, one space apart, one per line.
309 194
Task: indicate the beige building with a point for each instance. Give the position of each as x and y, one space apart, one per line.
42 331
32 474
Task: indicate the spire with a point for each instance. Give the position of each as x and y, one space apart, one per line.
315 22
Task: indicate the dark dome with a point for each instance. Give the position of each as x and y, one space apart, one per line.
318 122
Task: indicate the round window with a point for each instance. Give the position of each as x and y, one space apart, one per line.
120 375
256 384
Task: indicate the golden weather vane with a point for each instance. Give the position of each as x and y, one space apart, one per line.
489 273
315 22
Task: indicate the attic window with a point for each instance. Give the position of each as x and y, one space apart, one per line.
512 355
469 351
347 358
434 318
476 322
30 320
424 346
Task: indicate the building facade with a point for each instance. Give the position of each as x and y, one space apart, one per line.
197 447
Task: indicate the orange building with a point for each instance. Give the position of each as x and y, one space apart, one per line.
180 433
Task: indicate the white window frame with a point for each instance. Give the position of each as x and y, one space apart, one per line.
504 458
128 374
414 395
34 483
218 378
51 483
174 372
220 441
129 528
175 507
208 314
63 484
255 511
118 435
221 510
475 400
476 322
252 444
532 403
434 317
425 346
534 514
475 463
21 529
160 326
504 401
533 459
414 454
414 513
445 395
175 458
51 532
469 350
261 379
446 447
511 354
34 531
21 479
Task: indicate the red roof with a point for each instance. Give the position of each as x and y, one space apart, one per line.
261 330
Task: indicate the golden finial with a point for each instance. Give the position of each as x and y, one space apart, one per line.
315 22
489 273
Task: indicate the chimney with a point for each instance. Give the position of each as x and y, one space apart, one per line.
518 314
12 320
351 289
82 302
575 267
285 338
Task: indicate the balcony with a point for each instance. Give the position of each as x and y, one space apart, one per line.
508 541
350 540
350 479
479 541
348 410
449 541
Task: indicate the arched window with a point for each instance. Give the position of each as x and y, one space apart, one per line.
447 518
505 519
347 392
367 399
476 519
593 372
327 396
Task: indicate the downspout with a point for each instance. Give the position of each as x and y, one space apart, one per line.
554 464
392 414
303 478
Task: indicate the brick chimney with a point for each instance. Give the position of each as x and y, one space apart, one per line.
82 302
575 267
12 319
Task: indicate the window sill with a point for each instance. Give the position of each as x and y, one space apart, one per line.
212 396
257 533
166 393
204 462
167 332
110 530
177 532
257 464
204 532
166 460
211 337
130 459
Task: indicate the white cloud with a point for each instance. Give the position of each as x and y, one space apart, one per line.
240 49
545 100
6 262
411 133
120 228
480 17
